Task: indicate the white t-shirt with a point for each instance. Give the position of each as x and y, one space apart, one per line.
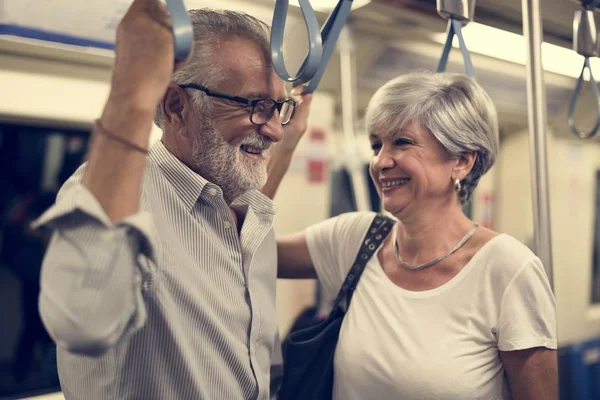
435 344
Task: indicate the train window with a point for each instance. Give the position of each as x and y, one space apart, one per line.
34 162
596 246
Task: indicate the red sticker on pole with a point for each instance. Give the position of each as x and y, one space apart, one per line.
487 203
316 155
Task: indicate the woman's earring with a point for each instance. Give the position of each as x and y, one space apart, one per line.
457 185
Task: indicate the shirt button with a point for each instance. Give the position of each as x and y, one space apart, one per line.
227 224
212 191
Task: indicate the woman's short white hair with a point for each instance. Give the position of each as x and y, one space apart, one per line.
453 107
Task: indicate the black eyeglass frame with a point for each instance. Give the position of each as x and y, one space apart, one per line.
245 101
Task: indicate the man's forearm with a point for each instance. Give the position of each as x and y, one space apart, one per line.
115 171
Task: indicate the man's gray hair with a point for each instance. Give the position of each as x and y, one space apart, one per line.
210 27
453 107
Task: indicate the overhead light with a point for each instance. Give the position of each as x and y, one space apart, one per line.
328 5
508 46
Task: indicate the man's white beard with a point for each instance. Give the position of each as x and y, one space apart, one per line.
225 165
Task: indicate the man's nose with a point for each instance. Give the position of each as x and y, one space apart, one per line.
273 128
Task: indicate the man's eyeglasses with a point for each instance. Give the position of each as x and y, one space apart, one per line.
262 109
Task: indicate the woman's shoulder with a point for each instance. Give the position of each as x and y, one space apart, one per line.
504 256
346 223
333 245
356 217
508 247
342 233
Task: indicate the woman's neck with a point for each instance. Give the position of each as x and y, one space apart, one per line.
426 235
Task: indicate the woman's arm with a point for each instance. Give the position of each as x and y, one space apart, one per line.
527 334
293 257
532 373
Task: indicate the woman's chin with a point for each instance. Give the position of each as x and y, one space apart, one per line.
393 207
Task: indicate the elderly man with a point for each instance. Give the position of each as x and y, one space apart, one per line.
159 282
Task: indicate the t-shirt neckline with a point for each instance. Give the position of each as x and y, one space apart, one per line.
442 288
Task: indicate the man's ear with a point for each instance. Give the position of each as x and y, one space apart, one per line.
174 103
464 165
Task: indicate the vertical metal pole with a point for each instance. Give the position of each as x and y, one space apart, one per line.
536 102
352 156
346 48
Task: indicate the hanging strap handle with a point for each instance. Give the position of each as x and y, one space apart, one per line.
574 97
585 40
377 232
321 44
315 44
330 34
455 28
183 32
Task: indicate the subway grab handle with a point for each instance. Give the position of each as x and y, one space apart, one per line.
183 32
458 12
321 43
315 44
585 42
454 28
573 102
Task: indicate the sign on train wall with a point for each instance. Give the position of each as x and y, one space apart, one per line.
91 23
82 22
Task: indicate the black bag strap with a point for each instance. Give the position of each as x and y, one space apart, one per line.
377 232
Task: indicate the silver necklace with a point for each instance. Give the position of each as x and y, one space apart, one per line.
414 267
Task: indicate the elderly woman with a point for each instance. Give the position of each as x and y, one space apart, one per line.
445 309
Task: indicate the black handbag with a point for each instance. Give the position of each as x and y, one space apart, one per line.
308 353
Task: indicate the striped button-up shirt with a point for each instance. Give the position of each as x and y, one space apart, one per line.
170 303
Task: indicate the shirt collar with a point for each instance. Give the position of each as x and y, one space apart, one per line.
260 203
188 184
